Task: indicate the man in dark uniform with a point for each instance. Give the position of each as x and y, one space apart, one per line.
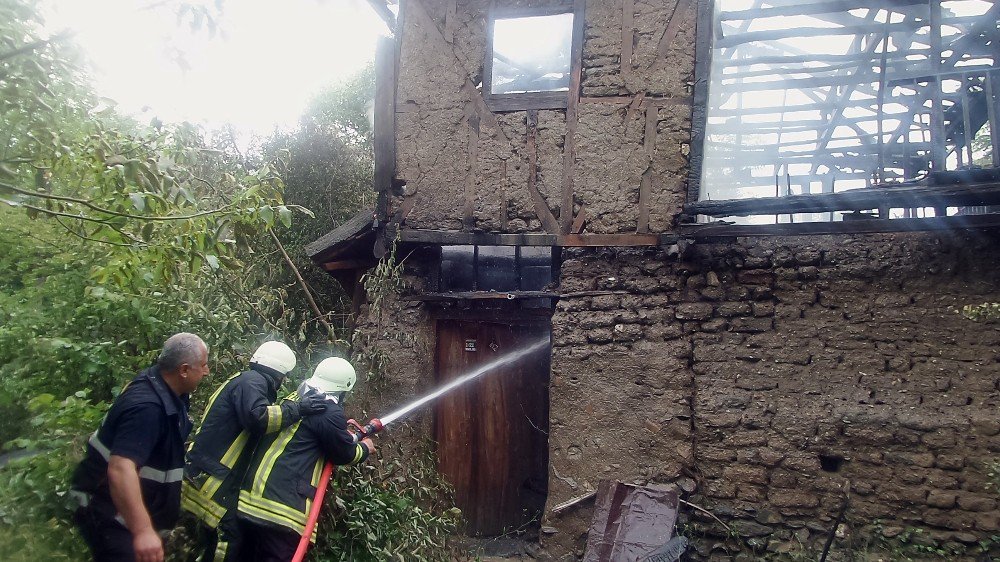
129 482
278 488
238 414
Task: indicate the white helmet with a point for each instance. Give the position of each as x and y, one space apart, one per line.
333 375
275 355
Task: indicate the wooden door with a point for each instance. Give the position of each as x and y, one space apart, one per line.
492 434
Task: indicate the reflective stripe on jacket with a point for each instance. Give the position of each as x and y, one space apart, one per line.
161 474
281 482
240 411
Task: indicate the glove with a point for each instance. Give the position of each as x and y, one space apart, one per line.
312 404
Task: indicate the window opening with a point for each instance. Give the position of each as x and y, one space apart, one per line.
809 98
495 268
529 58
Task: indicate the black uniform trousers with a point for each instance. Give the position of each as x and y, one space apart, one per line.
264 543
109 540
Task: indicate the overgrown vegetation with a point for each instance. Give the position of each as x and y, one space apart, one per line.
116 234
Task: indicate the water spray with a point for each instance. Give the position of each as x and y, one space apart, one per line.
376 425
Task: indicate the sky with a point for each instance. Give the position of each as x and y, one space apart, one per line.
258 73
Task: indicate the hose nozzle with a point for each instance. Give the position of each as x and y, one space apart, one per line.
364 431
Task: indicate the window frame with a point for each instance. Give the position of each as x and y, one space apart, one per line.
531 100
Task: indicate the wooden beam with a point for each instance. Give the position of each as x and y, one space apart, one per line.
385 125
579 221
469 207
699 105
628 38
612 240
348 264
805 8
449 21
854 200
572 117
867 226
646 183
542 210
673 26
647 101
455 238
482 295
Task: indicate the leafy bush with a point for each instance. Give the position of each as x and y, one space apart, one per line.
383 511
35 507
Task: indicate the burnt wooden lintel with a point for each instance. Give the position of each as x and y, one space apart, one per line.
452 237
482 295
854 200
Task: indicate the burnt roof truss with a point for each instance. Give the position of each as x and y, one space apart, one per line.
821 98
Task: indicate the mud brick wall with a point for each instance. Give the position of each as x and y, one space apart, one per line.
770 372
457 158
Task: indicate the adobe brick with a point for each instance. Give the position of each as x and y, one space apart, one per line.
693 311
792 498
755 277
942 499
976 502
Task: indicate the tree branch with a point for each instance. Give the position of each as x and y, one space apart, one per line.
331 336
90 205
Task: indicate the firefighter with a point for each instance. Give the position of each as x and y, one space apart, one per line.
278 488
129 482
240 412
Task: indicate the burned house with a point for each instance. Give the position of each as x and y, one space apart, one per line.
747 228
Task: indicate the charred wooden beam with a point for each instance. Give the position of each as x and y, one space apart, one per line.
572 118
868 226
785 33
854 200
455 238
481 295
348 264
385 125
803 9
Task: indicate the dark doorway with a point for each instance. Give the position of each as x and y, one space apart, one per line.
492 434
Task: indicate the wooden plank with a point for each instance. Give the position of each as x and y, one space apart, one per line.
699 105
800 31
645 184
504 195
572 117
613 240
580 220
673 26
647 101
854 200
469 208
385 125
805 8
451 237
348 264
871 226
481 295
938 156
628 38
542 210
633 107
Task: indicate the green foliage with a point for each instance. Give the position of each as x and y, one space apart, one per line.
34 489
385 511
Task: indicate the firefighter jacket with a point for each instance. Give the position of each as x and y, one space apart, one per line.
240 411
148 424
278 488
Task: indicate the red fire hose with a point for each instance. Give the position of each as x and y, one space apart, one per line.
360 432
324 480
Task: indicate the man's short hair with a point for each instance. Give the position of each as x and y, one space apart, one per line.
180 348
